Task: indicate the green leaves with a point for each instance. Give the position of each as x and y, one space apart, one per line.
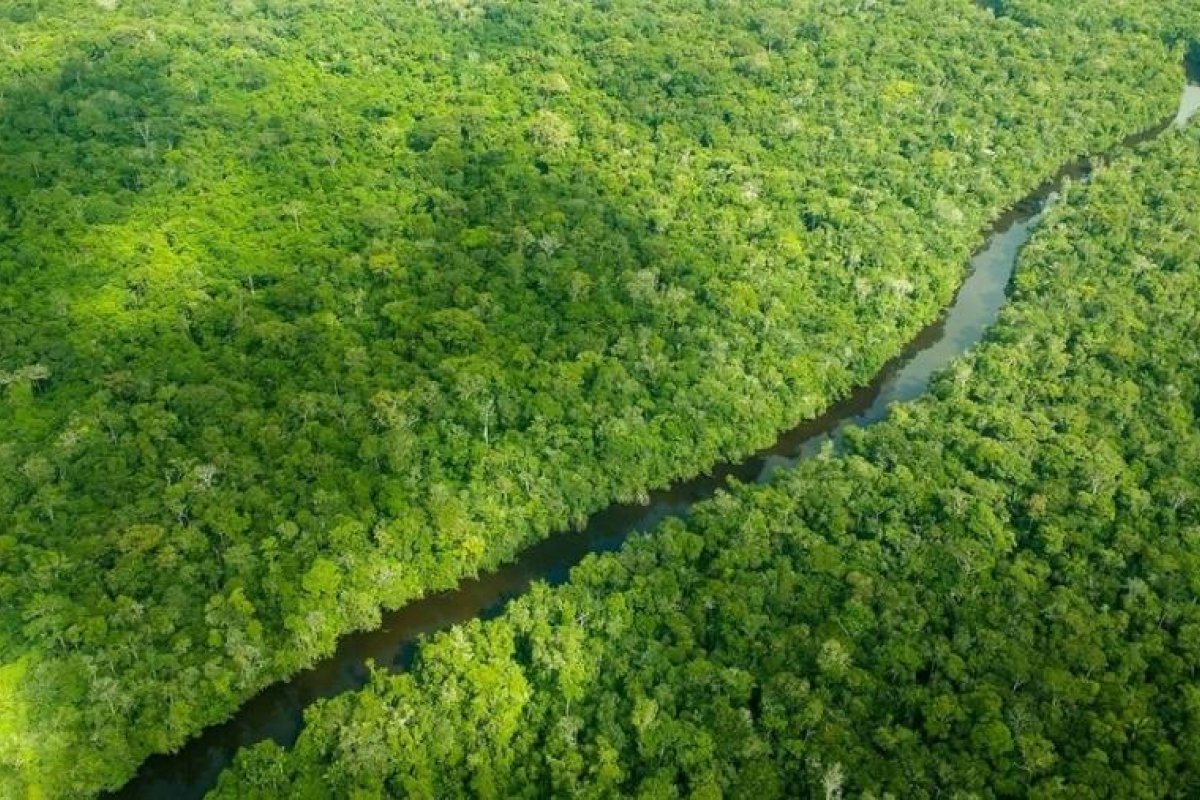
322 579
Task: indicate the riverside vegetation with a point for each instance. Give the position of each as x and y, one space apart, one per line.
993 592
309 308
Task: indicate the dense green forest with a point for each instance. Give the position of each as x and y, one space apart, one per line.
310 307
991 594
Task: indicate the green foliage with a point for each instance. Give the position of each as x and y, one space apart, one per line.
307 308
992 593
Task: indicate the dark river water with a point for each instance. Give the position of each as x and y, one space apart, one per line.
277 712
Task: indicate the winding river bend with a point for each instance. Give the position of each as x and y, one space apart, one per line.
277 712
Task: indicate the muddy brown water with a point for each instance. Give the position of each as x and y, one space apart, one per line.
278 712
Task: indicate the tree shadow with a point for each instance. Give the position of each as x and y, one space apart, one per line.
83 145
95 130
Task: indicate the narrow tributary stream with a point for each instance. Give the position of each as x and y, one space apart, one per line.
277 712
